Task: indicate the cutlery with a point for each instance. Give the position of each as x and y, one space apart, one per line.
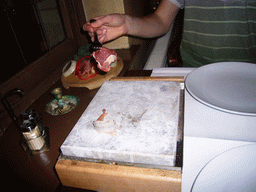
96 45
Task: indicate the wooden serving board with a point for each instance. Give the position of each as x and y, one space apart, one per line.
94 82
104 177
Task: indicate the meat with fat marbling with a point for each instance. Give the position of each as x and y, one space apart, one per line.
104 57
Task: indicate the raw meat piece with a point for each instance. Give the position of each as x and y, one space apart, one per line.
85 67
104 57
104 114
104 126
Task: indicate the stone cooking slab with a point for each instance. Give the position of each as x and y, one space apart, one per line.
144 117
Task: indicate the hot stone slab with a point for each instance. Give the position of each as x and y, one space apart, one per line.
145 115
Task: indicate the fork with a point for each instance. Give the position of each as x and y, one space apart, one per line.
96 45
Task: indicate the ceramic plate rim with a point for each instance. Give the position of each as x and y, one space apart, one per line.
212 105
244 149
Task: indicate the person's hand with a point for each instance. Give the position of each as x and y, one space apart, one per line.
107 27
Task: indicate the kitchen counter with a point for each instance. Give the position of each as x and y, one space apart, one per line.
38 171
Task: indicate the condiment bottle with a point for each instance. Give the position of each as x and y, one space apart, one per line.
32 134
31 114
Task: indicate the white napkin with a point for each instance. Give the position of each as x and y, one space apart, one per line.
171 71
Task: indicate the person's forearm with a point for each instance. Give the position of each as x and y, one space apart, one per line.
144 27
153 25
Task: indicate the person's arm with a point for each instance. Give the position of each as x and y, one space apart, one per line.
111 26
153 25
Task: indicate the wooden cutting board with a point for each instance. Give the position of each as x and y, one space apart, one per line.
94 82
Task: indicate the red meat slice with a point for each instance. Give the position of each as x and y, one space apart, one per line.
104 57
84 67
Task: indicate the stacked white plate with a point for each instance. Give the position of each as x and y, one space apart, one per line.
220 128
223 101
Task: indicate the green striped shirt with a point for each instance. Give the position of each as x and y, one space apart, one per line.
216 31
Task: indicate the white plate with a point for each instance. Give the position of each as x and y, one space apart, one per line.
226 86
233 170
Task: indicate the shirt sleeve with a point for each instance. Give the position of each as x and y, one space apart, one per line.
178 3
